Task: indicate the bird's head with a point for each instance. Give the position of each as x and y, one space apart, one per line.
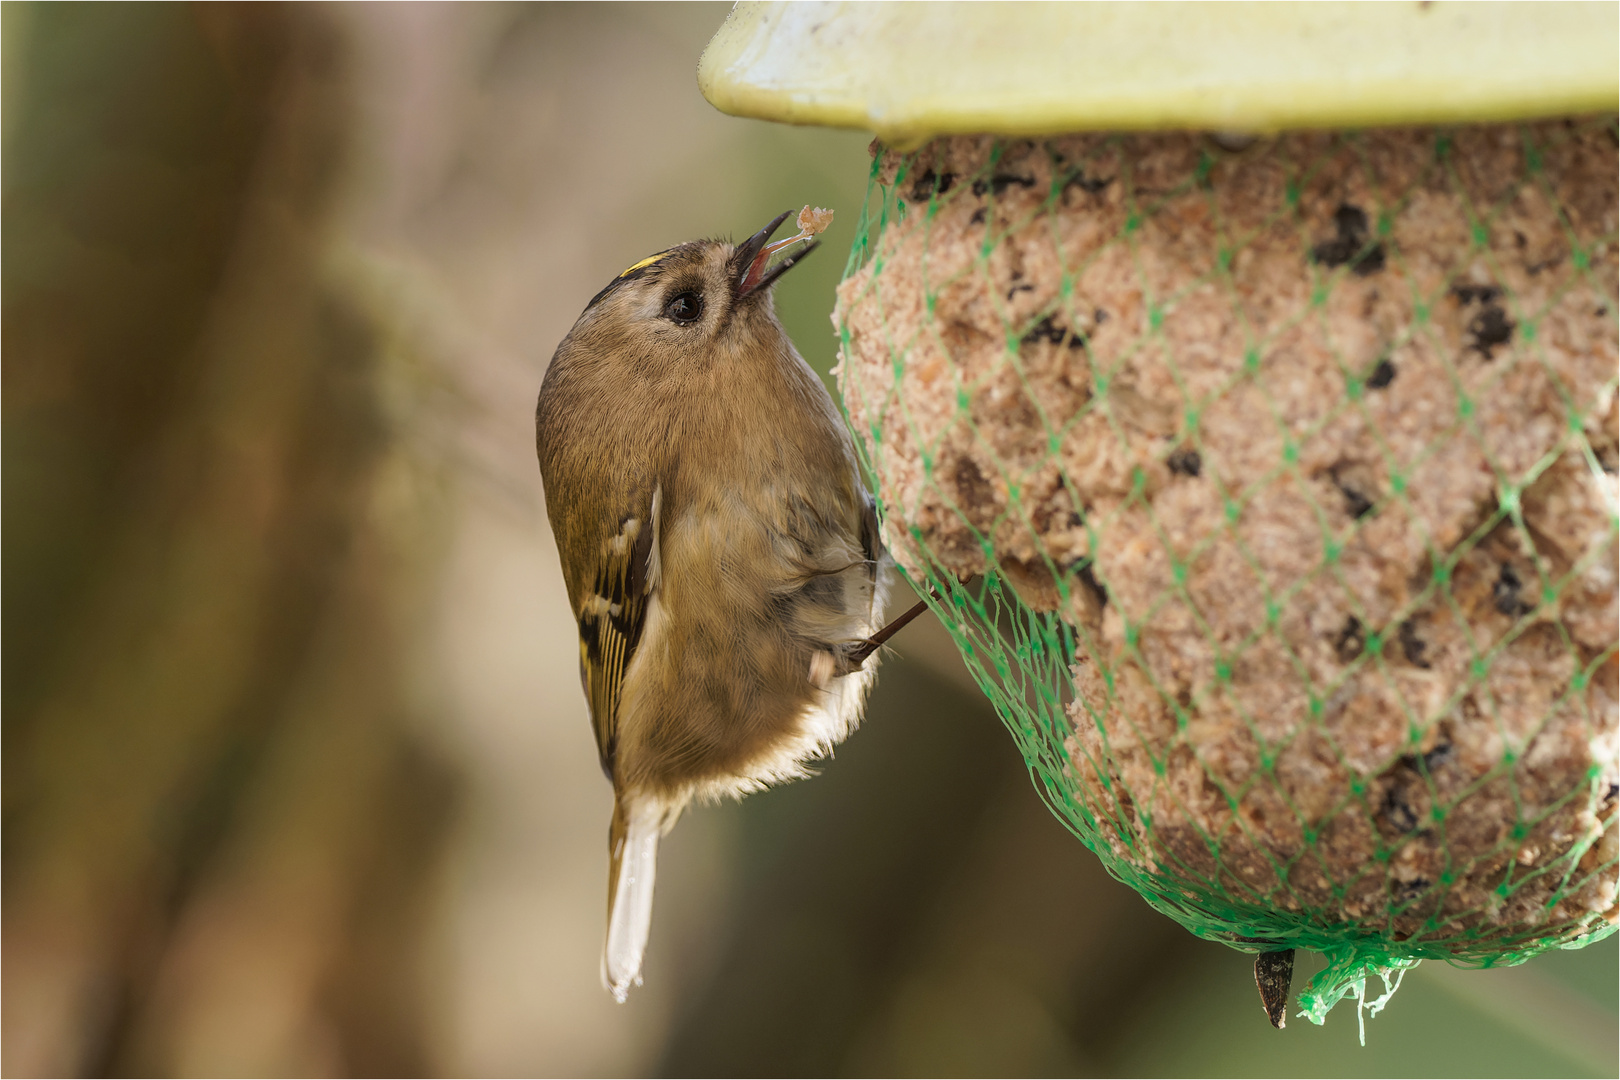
704 298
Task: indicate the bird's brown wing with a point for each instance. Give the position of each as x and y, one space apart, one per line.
611 618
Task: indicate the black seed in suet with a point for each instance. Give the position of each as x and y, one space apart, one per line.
1489 329
1413 646
1044 330
1399 813
1056 333
1350 245
1404 892
1090 185
1382 375
1002 181
1505 593
1469 294
1437 757
1186 461
1349 643
1274 975
926 184
1355 503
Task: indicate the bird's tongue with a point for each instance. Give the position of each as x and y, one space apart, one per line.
762 261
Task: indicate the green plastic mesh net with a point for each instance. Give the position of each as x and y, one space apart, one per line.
1269 491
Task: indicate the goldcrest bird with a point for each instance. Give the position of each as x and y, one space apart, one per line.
721 555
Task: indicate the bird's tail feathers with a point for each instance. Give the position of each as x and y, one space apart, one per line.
633 852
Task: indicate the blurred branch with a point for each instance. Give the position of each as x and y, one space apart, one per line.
207 773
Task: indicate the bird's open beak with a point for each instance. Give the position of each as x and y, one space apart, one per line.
751 262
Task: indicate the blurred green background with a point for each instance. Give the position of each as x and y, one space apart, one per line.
297 775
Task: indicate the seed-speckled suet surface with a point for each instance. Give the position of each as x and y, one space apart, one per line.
719 550
1299 456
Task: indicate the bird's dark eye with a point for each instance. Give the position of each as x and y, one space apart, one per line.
685 308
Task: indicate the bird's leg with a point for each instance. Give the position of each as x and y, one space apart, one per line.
855 657
851 657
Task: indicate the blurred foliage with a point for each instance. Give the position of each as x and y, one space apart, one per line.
206 777
234 839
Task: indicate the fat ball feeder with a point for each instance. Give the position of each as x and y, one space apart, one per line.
1239 382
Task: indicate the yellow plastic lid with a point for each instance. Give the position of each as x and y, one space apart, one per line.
911 71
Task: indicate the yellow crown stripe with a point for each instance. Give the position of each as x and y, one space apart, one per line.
648 261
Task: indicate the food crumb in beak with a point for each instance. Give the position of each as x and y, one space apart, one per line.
811 221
